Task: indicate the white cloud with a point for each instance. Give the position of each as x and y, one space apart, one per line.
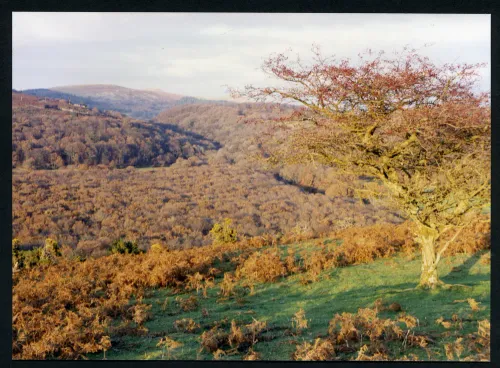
32 28
217 30
198 53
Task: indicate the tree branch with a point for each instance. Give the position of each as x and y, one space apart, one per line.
439 253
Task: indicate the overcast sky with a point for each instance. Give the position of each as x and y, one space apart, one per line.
197 54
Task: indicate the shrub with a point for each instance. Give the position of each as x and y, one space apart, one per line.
315 262
227 285
364 244
254 329
195 282
299 321
377 356
167 345
140 313
17 255
239 338
218 354
157 248
124 247
105 342
188 304
476 345
50 251
224 233
213 339
236 336
209 283
264 267
291 264
346 328
186 325
32 257
252 355
320 350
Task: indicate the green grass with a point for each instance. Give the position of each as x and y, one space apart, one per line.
338 290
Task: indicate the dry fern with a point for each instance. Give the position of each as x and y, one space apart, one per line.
320 350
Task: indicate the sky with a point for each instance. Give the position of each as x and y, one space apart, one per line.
199 54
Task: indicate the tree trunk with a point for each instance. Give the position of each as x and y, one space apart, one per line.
429 278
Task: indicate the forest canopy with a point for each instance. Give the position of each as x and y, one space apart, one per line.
53 134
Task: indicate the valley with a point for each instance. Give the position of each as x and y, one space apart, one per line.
250 186
233 258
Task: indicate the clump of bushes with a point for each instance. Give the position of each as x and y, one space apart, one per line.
47 254
238 339
315 262
121 246
472 239
365 244
73 325
224 233
347 328
322 349
31 258
213 339
292 262
347 333
263 267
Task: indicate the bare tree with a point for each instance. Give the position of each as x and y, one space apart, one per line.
421 129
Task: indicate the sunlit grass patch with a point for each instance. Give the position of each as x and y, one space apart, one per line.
336 291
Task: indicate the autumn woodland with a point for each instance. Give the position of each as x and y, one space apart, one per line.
342 216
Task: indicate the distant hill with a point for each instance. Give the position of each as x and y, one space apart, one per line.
52 133
118 93
47 93
140 104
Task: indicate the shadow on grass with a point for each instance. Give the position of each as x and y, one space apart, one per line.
345 290
462 271
321 302
322 299
322 308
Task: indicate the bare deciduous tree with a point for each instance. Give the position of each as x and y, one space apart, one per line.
421 129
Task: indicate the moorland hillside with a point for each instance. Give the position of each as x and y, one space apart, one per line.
348 296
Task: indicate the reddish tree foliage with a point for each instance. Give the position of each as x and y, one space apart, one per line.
420 129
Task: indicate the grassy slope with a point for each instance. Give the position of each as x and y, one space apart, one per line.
338 290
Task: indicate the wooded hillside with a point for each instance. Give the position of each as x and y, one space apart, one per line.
49 134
